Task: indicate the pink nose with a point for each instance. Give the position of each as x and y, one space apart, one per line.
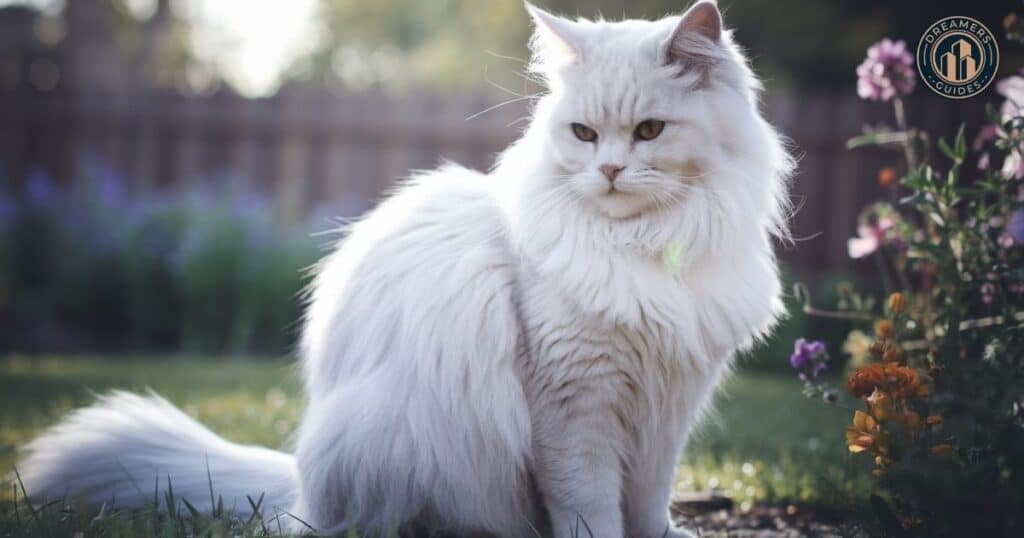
610 171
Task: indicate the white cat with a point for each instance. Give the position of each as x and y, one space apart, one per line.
521 352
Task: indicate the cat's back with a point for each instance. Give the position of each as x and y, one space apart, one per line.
431 257
409 356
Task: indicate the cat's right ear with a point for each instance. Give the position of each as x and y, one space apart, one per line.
697 38
555 41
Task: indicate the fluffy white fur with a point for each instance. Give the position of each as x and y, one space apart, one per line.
517 352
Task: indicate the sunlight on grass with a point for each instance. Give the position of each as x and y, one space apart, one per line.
766 442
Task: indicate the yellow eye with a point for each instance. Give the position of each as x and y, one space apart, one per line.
648 129
583 132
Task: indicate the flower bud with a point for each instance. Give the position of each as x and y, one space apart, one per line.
897 303
883 328
887 176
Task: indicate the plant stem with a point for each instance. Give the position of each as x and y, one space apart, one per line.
908 141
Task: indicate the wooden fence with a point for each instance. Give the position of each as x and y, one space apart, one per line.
342 151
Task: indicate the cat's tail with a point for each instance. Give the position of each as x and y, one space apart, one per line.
127 448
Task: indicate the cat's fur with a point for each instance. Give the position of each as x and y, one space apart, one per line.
517 352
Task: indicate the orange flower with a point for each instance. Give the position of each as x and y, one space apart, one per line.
863 381
880 405
887 176
897 303
900 382
912 421
903 382
883 328
864 434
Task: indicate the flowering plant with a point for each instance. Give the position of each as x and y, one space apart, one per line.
937 370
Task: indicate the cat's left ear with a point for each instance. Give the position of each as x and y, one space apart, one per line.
697 38
556 41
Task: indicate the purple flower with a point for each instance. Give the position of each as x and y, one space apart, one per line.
1016 226
40 191
807 354
886 72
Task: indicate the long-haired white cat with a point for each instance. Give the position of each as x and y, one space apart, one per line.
515 353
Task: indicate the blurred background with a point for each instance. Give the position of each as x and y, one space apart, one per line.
165 164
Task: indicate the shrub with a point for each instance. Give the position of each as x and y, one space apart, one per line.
937 368
205 270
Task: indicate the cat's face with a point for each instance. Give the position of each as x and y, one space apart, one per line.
625 145
639 111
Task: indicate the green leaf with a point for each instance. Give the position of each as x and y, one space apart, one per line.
947 150
960 145
879 137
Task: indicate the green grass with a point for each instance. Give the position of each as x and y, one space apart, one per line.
765 442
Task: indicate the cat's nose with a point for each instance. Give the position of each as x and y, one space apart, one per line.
610 171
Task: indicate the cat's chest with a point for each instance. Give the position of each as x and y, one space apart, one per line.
566 344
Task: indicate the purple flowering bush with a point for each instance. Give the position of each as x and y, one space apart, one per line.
90 267
935 373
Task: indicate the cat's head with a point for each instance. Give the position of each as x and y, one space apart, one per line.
656 116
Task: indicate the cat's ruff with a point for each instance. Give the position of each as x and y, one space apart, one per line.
509 353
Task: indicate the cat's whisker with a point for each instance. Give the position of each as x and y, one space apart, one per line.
488 79
519 120
506 57
499 105
536 80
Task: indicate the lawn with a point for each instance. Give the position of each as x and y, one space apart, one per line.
764 443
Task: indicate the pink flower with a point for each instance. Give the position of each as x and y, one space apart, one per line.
871 237
886 72
1005 240
1012 88
988 291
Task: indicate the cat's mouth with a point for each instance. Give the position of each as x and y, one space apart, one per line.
620 191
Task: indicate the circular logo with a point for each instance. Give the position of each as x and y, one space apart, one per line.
957 57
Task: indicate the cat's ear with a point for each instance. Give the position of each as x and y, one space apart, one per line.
697 38
556 41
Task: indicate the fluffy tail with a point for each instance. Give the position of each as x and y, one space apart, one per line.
118 450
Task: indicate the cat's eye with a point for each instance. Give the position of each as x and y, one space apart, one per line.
648 129
583 132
